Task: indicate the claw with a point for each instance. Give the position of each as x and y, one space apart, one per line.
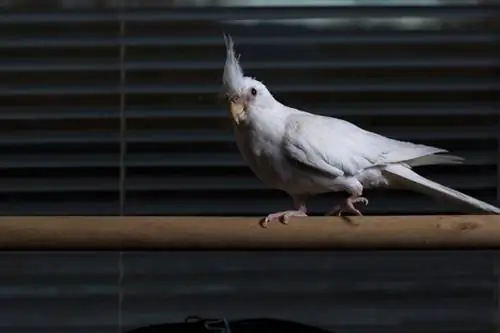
282 217
348 206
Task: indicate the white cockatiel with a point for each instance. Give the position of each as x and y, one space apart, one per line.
305 154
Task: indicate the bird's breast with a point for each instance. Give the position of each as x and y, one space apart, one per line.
263 157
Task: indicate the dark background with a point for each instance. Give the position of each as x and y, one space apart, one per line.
107 108
345 292
112 109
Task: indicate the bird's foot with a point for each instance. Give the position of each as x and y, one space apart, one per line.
348 206
282 217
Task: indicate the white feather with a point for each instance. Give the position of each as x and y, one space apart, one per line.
232 78
412 180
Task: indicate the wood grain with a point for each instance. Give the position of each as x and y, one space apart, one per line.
127 233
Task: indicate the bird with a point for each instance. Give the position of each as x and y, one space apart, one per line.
305 154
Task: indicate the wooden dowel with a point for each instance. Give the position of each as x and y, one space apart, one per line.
370 232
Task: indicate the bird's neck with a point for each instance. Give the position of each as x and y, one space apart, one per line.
273 116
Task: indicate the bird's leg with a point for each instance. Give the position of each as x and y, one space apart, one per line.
347 206
284 216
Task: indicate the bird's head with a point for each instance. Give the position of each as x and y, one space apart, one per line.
242 92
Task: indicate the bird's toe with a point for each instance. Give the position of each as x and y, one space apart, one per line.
285 218
362 200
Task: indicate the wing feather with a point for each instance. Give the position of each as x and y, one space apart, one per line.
335 147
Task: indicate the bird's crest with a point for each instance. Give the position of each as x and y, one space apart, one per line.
233 78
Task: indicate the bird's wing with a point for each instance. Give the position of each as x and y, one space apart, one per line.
335 147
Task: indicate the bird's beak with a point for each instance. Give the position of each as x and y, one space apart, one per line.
237 111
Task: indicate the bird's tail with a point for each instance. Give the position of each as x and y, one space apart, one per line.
412 180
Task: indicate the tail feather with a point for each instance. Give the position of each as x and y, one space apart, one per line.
435 159
410 179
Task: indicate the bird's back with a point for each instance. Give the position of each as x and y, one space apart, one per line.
340 139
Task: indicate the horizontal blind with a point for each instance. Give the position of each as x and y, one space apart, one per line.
59 113
344 292
60 88
436 85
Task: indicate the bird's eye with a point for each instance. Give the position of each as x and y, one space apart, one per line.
253 91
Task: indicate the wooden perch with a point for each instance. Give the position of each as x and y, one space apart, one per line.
370 232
